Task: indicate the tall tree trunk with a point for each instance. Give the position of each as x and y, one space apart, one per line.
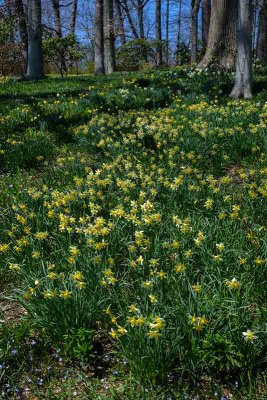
206 7
262 34
221 47
56 10
73 17
243 80
179 59
109 49
120 22
194 29
35 69
20 13
99 38
167 30
140 15
129 17
158 33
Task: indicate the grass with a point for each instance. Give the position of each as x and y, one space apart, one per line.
133 235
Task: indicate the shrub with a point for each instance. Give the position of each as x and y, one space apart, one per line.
132 55
62 52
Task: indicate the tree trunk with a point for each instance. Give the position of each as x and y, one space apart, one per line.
128 14
35 69
206 7
158 33
179 60
167 30
120 22
99 38
140 15
56 10
243 80
20 13
262 34
221 47
109 49
194 29
73 16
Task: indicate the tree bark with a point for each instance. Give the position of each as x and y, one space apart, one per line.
128 14
206 7
20 13
243 80
120 22
167 30
262 34
56 10
194 29
158 33
221 47
99 38
109 48
73 16
35 69
179 60
140 15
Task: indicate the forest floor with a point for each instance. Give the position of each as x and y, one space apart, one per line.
133 256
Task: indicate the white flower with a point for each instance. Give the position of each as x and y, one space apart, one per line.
249 336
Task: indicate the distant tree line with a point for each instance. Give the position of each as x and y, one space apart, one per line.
126 34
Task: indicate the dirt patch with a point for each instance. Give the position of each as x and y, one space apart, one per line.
11 312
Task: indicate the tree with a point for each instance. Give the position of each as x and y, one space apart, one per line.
158 32
10 51
124 4
194 29
243 80
99 38
262 34
167 30
121 30
21 17
73 16
35 68
205 7
56 10
179 60
140 5
221 47
109 46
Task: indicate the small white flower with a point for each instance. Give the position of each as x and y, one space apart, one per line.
249 336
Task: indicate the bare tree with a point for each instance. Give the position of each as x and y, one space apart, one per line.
179 61
158 33
56 10
139 6
35 68
20 13
140 15
205 7
221 47
73 16
99 38
124 4
109 48
194 29
167 30
243 80
121 30
262 34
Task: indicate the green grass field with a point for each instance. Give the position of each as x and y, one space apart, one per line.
133 247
